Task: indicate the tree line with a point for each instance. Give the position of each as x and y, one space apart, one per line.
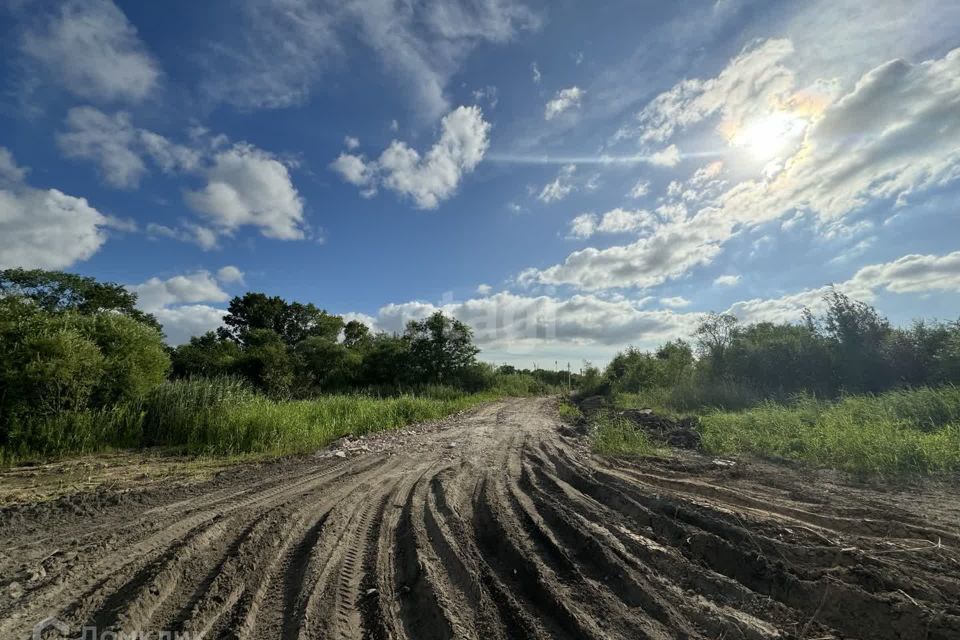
849 348
71 344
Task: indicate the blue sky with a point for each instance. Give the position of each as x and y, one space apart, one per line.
566 178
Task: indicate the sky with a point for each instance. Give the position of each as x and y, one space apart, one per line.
567 178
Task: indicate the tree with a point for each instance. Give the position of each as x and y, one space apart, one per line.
356 335
57 291
858 333
440 348
293 322
266 362
324 365
134 355
208 355
714 335
386 362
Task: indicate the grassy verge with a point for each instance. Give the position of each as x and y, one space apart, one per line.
224 417
613 436
912 431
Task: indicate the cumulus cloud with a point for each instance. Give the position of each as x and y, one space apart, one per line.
669 157
639 189
519 323
185 321
728 280
563 101
350 142
668 253
106 140
560 187
199 286
118 148
484 289
230 275
427 179
203 237
913 274
614 221
891 136
675 302
286 45
90 48
747 86
249 186
45 228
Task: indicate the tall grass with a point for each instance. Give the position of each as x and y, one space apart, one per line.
226 416
916 431
613 436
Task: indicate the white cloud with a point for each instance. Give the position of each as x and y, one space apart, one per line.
675 302
185 321
354 169
583 226
199 286
535 71
750 84
118 147
428 179
913 274
892 136
287 44
230 275
350 142
249 186
728 280
563 101
90 48
44 228
669 157
484 289
106 140
614 221
639 189
204 237
524 324
669 252
560 187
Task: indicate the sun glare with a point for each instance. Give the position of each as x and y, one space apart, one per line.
771 136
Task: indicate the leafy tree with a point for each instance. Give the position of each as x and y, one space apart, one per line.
325 365
781 358
293 322
57 291
356 335
714 335
134 355
266 362
440 348
858 333
386 362
208 355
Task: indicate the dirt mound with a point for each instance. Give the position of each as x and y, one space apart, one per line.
493 526
683 433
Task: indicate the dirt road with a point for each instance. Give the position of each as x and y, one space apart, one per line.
490 525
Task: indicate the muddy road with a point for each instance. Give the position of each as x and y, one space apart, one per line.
493 524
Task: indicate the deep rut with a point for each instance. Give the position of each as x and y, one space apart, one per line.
493 525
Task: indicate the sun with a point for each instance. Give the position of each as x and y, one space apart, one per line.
769 137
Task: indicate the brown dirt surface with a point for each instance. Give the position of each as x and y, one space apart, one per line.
491 524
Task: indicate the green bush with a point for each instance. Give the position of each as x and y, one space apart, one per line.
614 436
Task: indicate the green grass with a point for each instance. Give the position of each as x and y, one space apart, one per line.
614 436
226 417
893 433
569 411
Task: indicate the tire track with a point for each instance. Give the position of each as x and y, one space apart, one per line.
491 525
